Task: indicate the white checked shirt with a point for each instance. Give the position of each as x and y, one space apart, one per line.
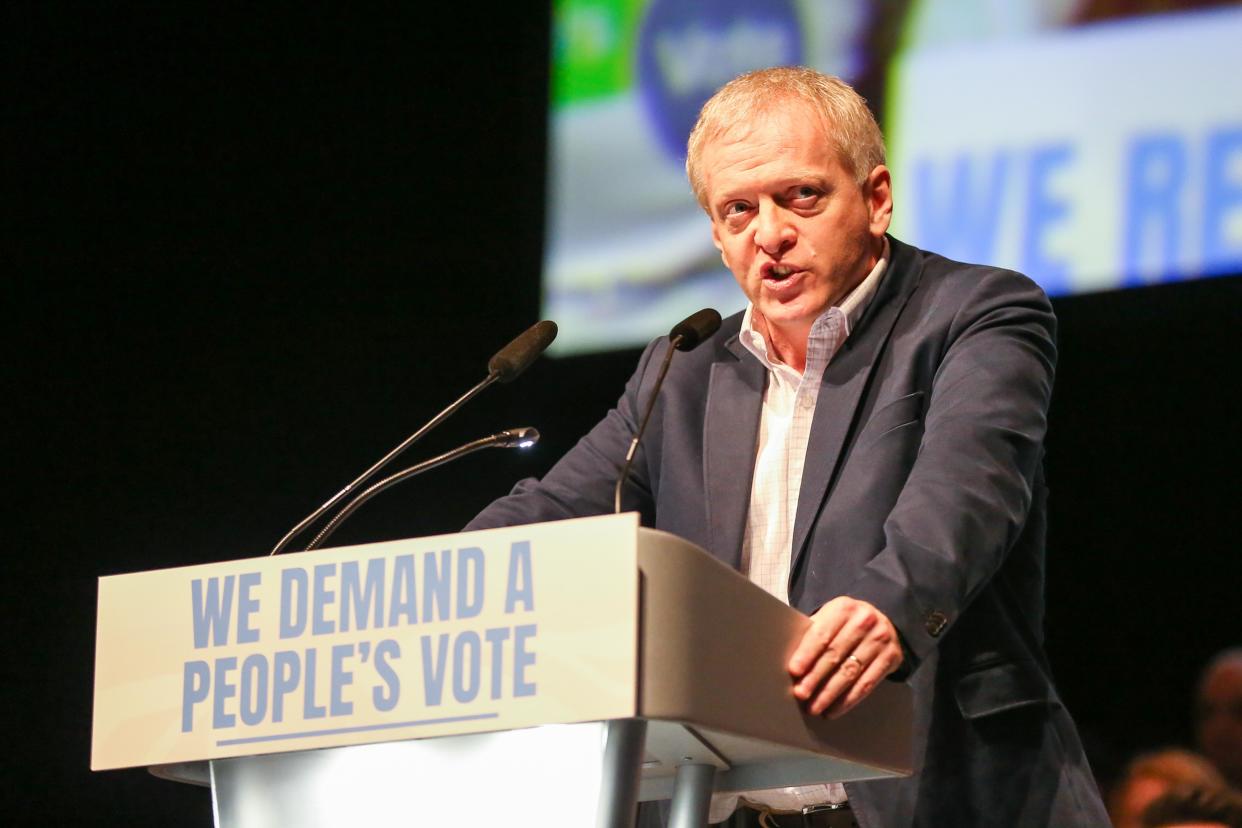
784 430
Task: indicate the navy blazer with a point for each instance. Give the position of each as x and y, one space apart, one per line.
922 493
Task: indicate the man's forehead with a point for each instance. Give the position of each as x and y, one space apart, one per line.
1224 678
776 115
1227 670
796 135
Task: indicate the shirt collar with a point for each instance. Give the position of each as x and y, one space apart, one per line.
851 308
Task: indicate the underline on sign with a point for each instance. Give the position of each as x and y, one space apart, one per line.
333 731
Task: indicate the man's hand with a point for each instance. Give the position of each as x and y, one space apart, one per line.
848 649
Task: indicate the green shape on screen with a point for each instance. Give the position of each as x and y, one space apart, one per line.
593 48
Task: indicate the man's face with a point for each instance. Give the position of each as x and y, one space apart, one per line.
1219 715
789 218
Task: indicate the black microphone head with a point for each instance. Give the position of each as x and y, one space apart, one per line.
516 357
695 328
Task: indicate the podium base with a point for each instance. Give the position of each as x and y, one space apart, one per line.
558 775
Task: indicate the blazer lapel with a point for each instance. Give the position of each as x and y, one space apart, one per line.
731 431
845 382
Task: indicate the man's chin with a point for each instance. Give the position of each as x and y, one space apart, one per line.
789 315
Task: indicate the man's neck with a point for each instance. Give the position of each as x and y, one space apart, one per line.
787 344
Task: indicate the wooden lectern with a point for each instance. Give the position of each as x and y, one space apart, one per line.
553 674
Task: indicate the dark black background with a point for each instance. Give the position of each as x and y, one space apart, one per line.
251 251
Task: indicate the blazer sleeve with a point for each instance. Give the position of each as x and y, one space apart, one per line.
967 497
582 482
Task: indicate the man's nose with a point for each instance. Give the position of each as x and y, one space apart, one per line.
774 234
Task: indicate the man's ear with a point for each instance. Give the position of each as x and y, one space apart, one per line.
878 191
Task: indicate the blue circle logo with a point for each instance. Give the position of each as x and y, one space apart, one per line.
687 49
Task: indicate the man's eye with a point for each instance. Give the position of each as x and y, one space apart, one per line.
806 192
735 208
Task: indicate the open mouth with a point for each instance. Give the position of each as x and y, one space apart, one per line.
779 273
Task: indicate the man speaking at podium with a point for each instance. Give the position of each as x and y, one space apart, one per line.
865 442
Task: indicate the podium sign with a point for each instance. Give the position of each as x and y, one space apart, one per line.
480 631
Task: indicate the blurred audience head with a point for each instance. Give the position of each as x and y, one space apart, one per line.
1218 714
1151 775
1191 807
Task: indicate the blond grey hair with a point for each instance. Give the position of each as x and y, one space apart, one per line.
848 122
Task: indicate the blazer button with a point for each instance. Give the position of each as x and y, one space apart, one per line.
935 623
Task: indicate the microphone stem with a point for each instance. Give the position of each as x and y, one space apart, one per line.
392 480
642 427
383 461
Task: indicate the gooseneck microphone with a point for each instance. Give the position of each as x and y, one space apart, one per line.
509 438
686 335
504 366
